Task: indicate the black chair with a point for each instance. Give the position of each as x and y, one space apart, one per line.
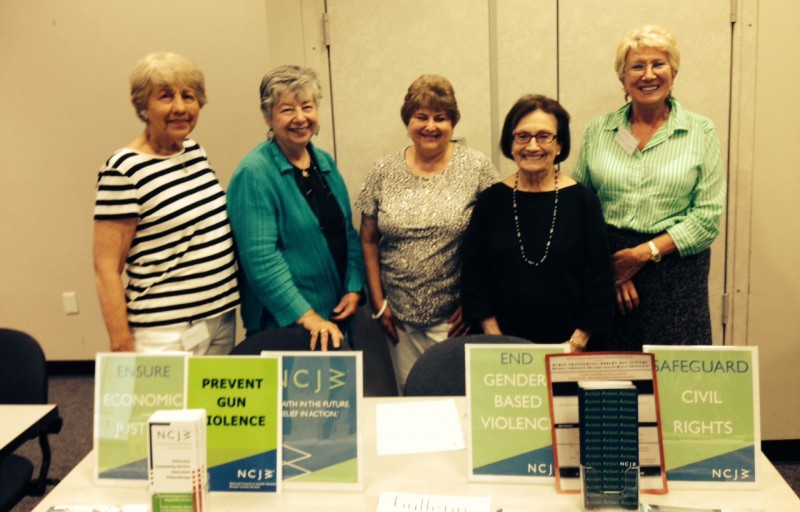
287 338
23 380
440 370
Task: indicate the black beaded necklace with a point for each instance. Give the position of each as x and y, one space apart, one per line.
519 232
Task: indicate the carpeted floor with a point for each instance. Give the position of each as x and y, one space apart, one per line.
75 398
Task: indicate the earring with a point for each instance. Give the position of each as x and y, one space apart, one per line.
143 115
270 135
316 132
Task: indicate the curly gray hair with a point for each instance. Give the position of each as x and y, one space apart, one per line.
296 79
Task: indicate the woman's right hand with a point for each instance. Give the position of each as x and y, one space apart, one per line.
391 324
123 343
324 332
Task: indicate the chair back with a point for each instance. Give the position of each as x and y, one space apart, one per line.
440 370
23 369
287 338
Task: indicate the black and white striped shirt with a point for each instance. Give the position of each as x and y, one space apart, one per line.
181 265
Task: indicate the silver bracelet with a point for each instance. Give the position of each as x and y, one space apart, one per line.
379 314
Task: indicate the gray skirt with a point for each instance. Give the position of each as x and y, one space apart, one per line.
673 300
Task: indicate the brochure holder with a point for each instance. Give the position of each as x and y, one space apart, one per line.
609 445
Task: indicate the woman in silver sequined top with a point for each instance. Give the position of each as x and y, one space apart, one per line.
416 204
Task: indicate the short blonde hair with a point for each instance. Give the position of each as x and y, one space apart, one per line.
430 91
160 69
648 36
295 79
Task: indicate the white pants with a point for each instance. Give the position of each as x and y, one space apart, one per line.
413 342
221 330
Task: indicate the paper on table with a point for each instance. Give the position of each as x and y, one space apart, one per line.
418 427
100 508
644 507
395 501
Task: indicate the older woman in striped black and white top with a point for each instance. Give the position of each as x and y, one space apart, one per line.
160 212
659 175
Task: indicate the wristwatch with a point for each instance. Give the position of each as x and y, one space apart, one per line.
655 254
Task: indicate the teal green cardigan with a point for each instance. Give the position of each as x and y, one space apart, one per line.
285 264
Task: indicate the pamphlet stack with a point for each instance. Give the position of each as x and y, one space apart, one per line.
609 445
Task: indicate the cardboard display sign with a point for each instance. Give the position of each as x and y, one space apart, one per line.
509 414
129 388
710 407
242 398
322 435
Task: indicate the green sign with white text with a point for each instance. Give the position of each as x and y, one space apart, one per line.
128 389
709 409
507 396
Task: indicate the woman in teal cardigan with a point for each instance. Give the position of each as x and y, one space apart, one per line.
300 258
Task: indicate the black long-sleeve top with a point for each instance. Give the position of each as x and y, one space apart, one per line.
573 288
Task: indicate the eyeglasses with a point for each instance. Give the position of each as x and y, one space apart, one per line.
641 69
541 137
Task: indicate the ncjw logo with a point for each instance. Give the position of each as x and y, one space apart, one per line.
173 435
314 379
257 475
730 474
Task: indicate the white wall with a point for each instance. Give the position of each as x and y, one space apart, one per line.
772 282
64 70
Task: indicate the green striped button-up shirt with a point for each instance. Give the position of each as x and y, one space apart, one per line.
675 184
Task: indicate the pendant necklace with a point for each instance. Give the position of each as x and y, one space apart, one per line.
519 233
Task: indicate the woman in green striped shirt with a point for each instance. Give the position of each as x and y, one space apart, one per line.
659 175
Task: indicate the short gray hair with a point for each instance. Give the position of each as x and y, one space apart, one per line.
648 36
289 78
163 68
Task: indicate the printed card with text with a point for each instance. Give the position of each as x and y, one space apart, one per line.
509 414
710 413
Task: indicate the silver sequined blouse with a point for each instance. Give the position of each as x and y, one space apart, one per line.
421 222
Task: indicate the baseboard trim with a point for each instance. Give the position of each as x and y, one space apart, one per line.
784 451
67 368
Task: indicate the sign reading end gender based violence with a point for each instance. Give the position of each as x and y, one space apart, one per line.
509 414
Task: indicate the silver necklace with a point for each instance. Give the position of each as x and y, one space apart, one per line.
519 233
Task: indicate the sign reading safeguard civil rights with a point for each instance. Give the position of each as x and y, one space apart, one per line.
509 414
128 389
710 415
321 420
241 396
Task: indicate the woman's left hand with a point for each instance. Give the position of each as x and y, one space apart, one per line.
347 307
627 297
628 262
458 327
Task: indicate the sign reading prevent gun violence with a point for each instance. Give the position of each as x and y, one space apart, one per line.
507 396
129 388
241 396
710 415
